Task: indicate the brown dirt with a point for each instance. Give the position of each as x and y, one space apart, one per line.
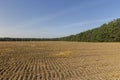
59 61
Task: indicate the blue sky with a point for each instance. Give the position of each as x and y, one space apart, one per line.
54 18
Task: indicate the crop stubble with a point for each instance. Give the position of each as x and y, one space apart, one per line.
59 61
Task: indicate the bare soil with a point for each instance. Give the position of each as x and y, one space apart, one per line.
59 61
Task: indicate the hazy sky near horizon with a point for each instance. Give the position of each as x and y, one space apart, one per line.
54 18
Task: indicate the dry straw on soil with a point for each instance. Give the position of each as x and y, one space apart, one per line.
59 61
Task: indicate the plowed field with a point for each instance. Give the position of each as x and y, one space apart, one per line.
59 61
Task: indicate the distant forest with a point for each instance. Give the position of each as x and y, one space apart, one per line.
29 39
108 32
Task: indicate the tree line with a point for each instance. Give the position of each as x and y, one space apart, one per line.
108 32
28 39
